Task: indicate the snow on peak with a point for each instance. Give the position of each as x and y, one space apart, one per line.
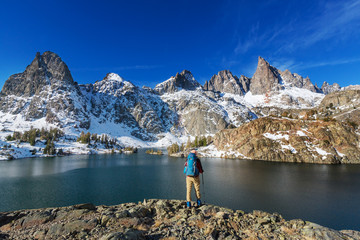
113 76
113 84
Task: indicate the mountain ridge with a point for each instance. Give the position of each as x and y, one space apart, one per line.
45 94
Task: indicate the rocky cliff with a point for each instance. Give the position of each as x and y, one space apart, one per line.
226 82
184 80
288 140
158 219
342 105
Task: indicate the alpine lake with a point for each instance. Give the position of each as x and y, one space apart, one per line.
325 194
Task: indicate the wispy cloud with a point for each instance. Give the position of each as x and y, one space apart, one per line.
252 39
328 63
337 21
283 64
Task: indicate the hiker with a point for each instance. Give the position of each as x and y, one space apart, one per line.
192 170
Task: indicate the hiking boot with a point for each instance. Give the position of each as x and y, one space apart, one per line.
188 204
198 202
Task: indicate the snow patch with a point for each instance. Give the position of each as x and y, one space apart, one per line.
276 136
321 152
114 76
212 151
301 134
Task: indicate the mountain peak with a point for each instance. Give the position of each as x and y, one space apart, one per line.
225 82
268 78
184 80
113 76
265 78
187 75
262 61
45 70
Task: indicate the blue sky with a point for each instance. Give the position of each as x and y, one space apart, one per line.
146 42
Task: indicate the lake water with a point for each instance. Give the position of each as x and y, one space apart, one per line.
325 194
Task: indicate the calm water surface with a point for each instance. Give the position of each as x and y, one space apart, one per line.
328 195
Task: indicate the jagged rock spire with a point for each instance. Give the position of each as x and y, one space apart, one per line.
265 79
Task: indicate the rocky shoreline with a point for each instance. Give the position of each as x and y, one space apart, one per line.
157 219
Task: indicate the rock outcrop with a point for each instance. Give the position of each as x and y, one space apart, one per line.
343 99
342 105
287 140
158 219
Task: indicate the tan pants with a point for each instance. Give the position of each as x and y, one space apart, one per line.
189 182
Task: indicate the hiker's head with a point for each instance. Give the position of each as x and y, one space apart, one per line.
193 151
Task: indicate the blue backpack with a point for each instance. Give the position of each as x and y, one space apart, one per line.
191 168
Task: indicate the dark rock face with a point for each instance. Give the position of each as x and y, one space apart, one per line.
183 80
158 219
45 70
225 82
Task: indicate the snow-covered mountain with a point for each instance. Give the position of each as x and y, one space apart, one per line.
114 101
45 94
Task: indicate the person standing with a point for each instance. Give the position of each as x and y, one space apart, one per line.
192 170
